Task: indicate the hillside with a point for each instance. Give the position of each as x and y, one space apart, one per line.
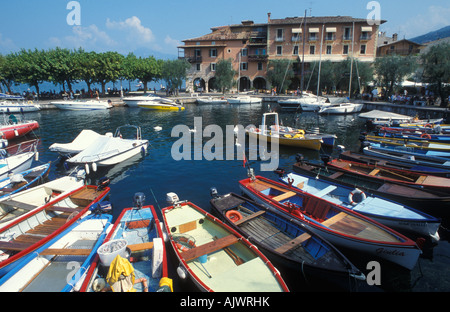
433 35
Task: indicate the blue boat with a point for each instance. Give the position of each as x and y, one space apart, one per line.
23 180
138 227
61 263
390 213
285 240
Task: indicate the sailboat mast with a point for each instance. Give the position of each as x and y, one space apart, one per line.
320 61
303 55
351 64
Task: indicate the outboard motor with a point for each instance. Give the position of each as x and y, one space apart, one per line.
280 172
102 183
325 159
299 158
213 192
138 200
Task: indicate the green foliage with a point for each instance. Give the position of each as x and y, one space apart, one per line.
224 75
174 73
280 73
392 69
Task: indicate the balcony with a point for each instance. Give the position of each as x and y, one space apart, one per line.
192 59
365 37
257 41
257 58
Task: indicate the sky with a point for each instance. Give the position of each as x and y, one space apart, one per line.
149 27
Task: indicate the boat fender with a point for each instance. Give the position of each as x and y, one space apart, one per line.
94 167
181 272
36 156
163 230
356 191
86 166
426 136
233 215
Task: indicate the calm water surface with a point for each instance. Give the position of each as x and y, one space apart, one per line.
157 173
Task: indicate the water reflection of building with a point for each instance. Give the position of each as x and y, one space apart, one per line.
250 46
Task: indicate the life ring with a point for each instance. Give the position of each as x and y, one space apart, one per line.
426 136
233 215
184 243
428 125
354 192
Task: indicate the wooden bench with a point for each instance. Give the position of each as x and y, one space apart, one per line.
66 252
293 243
18 204
140 247
249 217
210 247
374 171
325 191
336 175
284 196
334 219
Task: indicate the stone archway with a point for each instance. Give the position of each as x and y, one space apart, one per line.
199 85
260 83
212 85
244 84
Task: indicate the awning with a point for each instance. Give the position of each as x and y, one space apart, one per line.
314 30
296 30
366 28
331 29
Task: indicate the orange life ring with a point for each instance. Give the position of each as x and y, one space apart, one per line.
428 126
233 215
184 243
426 136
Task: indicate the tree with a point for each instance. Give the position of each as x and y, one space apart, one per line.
147 70
224 75
436 67
32 67
63 67
280 73
107 68
392 69
7 71
86 66
174 73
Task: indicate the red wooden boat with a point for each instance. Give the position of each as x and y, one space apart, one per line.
418 180
14 129
339 225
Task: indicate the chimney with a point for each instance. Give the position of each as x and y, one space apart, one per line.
268 17
394 37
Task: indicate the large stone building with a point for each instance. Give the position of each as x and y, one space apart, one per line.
251 46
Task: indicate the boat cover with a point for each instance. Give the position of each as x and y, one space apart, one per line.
104 147
82 141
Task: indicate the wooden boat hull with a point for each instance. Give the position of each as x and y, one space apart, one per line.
140 227
41 270
400 163
29 178
20 204
347 229
426 182
420 145
433 204
286 241
59 214
394 215
232 263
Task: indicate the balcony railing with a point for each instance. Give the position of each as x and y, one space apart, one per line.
257 58
192 59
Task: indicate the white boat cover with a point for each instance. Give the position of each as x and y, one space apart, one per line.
376 114
82 141
104 147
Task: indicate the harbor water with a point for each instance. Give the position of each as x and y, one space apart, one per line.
158 173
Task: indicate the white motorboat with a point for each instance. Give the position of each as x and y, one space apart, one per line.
341 108
244 100
82 104
16 104
377 117
134 101
107 151
80 143
211 100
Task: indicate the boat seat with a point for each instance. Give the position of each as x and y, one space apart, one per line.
293 243
18 204
325 191
249 217
210 247
283 196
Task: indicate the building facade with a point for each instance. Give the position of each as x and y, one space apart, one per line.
251 46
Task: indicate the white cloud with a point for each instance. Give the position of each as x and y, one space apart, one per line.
6 44
434 18
134 29
171 42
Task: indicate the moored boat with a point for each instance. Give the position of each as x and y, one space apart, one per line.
140 228
392 214
133 101
80 143
23 180
213 255
337 224
31 231
160 105
211 100
434 204
341 108
18 158
423 146
285 240
273 134
14 128
406 177
244 99
108 151
83 104
17 205
46 269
